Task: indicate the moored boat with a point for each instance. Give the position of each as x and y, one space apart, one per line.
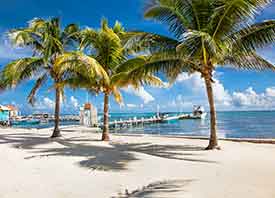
198 113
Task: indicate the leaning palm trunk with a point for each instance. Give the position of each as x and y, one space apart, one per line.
213 141
56 131
105 133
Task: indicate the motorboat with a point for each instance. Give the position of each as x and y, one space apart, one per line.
198 113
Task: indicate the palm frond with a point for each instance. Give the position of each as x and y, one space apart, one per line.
39 82
194 41
117 95
79 63
255 36
248 61
230 15
142 42
71 34
20 70
169 13
131 64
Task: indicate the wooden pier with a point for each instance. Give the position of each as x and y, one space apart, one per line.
135 122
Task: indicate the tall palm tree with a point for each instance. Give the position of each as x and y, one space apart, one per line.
106 47
207 34
48 42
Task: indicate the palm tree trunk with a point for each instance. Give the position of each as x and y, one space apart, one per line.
105 133
56 131
213 141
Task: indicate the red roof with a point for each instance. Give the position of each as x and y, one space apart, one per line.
87 106
12 108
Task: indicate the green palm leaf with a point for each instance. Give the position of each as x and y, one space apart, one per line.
255 36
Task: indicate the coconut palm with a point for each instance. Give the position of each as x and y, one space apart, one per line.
48 42
207 34
106 47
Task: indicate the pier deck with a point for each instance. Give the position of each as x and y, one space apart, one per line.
142 121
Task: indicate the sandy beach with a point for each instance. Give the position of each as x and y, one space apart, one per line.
78 165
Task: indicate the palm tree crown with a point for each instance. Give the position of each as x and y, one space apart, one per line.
207 34
106 47
49 44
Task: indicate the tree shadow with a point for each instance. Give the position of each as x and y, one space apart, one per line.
177 152
157 189
24 140
99 155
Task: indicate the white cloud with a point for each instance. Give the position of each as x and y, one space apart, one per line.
48 103
166 85
222 95
270 91
247 99
141 92
196 84
131 105
74 102
250 99
7 51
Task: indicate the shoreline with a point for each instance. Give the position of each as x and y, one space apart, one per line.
194 137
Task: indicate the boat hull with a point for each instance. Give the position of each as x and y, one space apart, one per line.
193 117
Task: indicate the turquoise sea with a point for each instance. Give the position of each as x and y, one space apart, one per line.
249 124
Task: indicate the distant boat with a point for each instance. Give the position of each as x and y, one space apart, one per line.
198 113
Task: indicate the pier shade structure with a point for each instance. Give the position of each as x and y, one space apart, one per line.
88 115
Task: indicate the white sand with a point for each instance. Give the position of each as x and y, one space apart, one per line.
78 165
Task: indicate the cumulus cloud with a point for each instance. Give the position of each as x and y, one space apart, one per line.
197 85
221 95
9 52
141 92
250 99
270 91
44 104
48 103
247 99
74 102
193 81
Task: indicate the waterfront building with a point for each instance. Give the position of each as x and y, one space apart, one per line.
88 115
4 115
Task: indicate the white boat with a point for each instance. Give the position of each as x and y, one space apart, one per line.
198 113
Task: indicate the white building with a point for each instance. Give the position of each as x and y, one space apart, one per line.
88 115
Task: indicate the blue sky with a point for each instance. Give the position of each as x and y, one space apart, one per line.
234 90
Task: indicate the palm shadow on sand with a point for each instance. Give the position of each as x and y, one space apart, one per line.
168 188
112 157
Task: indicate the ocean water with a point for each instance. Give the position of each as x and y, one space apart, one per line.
250 124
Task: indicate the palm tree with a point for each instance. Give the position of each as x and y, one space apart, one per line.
106 47
207 34
49 43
